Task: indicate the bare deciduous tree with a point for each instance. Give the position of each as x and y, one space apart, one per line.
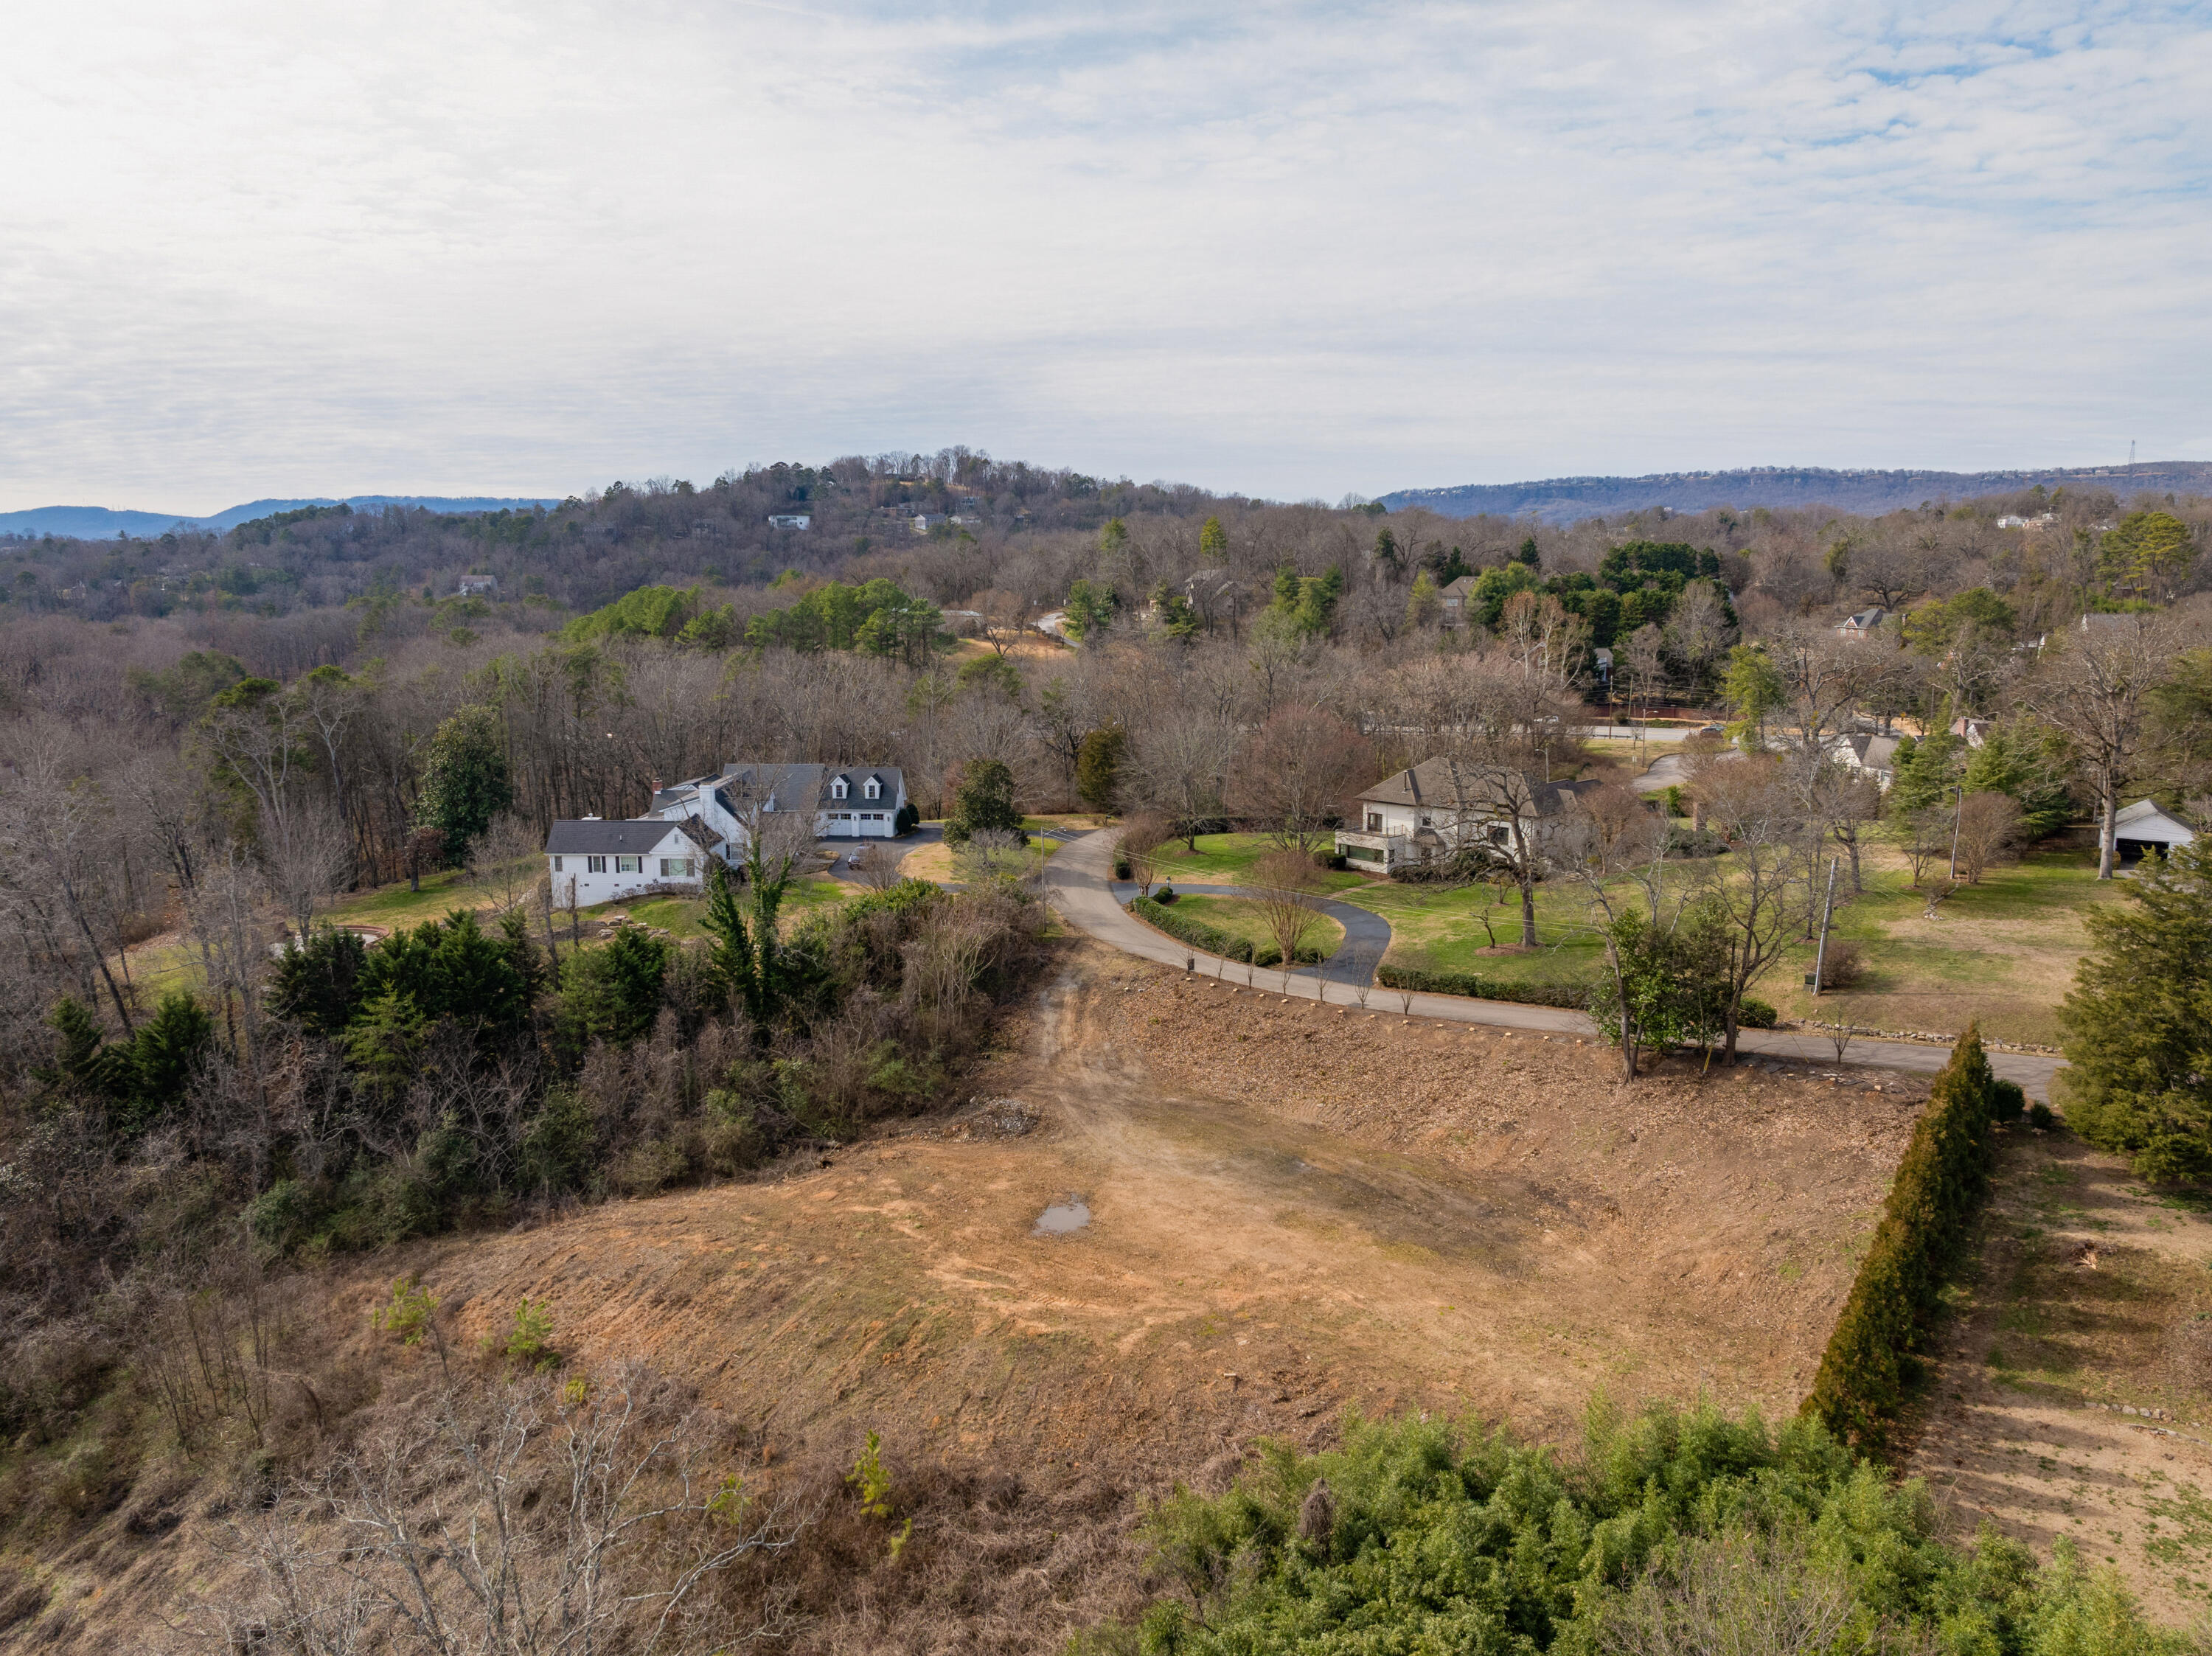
308 854
2092 687
506 860
1296 773
1988 831
551 1517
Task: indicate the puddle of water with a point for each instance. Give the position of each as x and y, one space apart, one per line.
1063 1217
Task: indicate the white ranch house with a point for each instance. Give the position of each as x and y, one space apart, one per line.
601 860
1413 816
712 816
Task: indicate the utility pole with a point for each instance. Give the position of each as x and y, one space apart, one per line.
1827 912
1957 817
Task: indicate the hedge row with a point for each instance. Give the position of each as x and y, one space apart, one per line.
1212 939
1563 991
1941 1184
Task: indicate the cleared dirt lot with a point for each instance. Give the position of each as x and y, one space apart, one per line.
2071 1394
1292 1208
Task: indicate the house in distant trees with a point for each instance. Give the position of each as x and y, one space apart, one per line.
1865 624
1868 754
477 585
926 521
1442 805
2143 827
790 520
1974 732
1457 598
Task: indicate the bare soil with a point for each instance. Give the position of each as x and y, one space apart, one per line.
1293 1208
2069 1394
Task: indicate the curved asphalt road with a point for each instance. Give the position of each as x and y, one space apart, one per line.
1078 883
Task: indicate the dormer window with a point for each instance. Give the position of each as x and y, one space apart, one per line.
837 788
875 788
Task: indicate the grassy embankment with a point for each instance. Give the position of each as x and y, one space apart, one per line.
2002 952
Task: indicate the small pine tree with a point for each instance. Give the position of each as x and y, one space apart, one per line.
168 1049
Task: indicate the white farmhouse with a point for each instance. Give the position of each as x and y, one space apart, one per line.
599 860
1439 806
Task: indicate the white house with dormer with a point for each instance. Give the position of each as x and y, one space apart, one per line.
1440 807
667 848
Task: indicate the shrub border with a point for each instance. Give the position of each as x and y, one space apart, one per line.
1571 993
1867 1372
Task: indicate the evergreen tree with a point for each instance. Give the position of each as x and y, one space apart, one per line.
2139 1021
465 781
1921 772
1754 690
84 1062
1098 766
984 800
1173 614
1213 545
451 969
313 985
1528 555
168 1049
2013 762
1090 610
1422 606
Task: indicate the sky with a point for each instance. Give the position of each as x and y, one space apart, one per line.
455 247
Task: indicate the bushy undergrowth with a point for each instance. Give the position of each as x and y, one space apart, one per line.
458 1074
1676 1532
1867 1373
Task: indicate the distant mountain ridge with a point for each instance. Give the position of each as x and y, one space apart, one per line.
93 523
1563 499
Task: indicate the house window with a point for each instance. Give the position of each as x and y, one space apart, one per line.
595 864
1427 821
874 790
556 864
629 864
837 788
676 868
1497 833
1375 821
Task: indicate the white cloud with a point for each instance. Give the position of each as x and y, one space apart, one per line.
260 249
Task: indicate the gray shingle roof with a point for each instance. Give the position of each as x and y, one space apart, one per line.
599 837
1432 783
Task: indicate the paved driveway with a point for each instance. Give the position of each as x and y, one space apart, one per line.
1077 881
1366 934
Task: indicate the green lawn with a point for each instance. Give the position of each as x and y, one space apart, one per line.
1227 859
2001 953
1241 918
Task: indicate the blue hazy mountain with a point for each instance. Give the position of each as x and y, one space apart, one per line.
99 523
1563 499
